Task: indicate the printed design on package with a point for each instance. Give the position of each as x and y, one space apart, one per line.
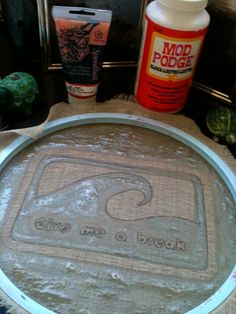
74 42
172 58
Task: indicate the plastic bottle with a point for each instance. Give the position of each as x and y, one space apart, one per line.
173 36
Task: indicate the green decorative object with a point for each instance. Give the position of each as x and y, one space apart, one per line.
222 123
23 88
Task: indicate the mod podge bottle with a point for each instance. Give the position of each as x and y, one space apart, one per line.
173 35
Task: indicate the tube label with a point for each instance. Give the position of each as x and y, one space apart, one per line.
169 58
81 40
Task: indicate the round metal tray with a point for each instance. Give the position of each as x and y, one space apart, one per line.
99 118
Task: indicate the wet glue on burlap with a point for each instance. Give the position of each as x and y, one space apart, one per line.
173 35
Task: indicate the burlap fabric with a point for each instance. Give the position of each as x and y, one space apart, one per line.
127 106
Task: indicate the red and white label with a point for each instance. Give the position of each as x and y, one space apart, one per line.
81 91
172 58
168 62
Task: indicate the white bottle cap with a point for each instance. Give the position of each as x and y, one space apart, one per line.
188 5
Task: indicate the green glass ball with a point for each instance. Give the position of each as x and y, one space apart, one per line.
23 88
222 123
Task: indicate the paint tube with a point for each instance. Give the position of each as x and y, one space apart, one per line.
82 36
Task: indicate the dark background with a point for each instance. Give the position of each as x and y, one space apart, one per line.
20 50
